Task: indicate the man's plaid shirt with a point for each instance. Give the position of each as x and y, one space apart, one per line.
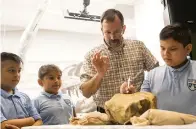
134 58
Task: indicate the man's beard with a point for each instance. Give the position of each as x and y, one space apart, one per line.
115 45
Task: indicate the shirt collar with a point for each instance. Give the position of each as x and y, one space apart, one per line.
181 68
5 94
59 95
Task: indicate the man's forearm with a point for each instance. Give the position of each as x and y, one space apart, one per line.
19 122
90 87
38 122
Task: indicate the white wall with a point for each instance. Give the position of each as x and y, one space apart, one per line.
60 48
149 22
52 44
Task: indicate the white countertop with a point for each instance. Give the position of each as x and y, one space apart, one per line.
191 126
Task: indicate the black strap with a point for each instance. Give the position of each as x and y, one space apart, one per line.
100 109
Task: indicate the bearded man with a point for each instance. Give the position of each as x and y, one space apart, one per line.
108 66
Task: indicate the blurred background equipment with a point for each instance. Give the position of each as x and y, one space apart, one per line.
31 30
83 15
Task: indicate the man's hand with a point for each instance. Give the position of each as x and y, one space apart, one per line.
8 126
124 89
101 63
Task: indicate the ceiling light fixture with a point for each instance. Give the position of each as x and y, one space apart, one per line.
83 15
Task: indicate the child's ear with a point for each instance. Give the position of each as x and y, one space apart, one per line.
189 48
40 82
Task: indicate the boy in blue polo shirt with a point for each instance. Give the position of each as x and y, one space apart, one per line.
16 107
175 83
53 108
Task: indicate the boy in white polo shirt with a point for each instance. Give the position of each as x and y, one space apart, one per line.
52 107
17 111
175 83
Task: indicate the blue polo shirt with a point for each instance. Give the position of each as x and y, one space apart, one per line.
53 109
16 106
175 89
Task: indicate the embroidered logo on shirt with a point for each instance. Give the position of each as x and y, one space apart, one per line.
192 84
68 102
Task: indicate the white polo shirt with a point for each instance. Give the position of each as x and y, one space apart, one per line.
175 88
53 109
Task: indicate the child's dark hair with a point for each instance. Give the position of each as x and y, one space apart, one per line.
10 56
45 69
178 32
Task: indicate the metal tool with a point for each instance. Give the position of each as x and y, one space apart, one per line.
132 80
74 112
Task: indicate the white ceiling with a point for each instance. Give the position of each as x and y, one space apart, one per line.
17 14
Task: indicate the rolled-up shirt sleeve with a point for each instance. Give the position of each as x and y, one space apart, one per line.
150 61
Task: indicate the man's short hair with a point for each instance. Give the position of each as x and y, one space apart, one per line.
109 15
10 56
178 32
45 69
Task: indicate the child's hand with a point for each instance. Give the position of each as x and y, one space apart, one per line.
8 126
